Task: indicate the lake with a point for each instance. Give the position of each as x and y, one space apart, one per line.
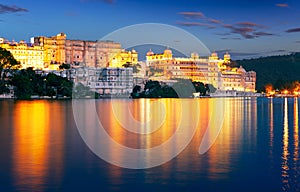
207 144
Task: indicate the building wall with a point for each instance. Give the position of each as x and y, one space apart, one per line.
98 54
50 52
54 48
106 81
197 69
211 70
27 54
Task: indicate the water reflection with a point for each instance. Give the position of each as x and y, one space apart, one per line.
37 144
290 151
271 123
239 118
31 145
296 164
285 150
296 131
171 135
40 142
240 115
271 134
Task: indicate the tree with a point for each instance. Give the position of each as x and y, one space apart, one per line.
135 67
82 91
153 70
64 66
184 88
200 87
7 62
22 81
62 86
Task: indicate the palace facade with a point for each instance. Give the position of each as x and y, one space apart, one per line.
47 53
27 54
209 70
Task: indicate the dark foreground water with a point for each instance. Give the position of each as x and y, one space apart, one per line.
257 148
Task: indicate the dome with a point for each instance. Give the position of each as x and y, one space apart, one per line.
227 56
149 53
214 54
195 55
241 69
167 51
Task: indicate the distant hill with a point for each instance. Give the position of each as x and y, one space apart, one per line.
277 70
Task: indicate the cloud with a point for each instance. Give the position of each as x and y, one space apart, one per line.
248 30
223 50
231 38
297 42
248 24
260 33
11 9
243 31
215 21
223 34
293 30
192 15
105 1
195 24
282 5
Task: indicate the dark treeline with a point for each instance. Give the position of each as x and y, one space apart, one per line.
279 71
27 83
183 88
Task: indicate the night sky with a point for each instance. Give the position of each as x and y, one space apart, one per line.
244 28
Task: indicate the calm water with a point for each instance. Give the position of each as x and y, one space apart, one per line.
257 148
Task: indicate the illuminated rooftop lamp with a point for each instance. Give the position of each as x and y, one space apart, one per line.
285 92
271 93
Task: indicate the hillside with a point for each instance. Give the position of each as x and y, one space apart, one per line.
277 70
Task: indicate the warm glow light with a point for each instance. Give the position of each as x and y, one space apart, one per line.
38 141
296 131
31 150
285 149
285 91
272 92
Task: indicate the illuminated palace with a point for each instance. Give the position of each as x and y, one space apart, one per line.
212 70
27 54
47 53
98 53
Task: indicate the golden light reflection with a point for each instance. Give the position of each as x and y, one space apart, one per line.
285 150
219 155
296 135
38 140
30 154
271 124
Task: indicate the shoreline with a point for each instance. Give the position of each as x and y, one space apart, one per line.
128 98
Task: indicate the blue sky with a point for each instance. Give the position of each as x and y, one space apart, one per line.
244 28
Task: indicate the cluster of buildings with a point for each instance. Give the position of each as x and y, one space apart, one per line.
210 70
99 65
47 53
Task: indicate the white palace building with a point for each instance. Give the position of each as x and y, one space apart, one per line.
209 70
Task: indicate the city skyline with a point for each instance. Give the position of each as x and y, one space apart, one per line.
245 29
